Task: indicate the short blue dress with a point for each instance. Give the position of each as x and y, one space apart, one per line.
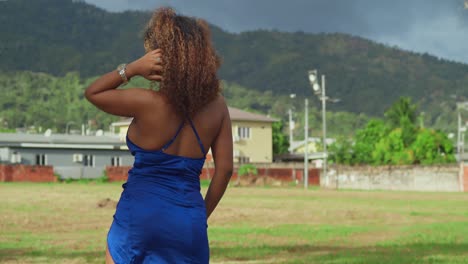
161 214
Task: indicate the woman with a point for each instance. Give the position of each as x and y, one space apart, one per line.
161 216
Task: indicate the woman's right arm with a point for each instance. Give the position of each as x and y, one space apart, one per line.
223 160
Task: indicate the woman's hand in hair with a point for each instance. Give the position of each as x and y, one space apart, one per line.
149 66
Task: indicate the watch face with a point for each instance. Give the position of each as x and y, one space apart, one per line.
121 70
121 67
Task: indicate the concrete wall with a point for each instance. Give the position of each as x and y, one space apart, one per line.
81 172
402 178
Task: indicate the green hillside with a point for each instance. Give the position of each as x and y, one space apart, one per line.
60 36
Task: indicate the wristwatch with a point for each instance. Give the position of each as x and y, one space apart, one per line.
121 69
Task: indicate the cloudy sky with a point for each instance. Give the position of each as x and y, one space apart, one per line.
439 27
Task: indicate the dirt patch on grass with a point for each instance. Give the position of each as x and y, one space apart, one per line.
107 203
372 238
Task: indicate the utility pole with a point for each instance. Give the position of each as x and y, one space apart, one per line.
306 146
291 127
459 135
324 125
320 91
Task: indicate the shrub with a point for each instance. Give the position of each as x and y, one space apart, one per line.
247 169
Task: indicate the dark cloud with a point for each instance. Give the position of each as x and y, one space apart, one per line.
439 27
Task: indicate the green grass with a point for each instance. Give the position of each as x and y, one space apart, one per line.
61 223
204 183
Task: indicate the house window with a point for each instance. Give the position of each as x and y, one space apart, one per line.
243 132
244 159
89 160
41 159
116 161
77 158
15 157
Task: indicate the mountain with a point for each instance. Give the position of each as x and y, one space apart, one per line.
60 36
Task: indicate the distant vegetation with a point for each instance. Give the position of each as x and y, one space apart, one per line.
38 101
398 139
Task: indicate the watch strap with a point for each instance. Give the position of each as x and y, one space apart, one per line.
121 70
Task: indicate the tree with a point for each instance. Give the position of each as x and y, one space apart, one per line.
366 139
402 114
280 140
391 150
432 147
403 108
341 151
397 141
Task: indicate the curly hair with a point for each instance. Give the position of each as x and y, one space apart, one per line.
190 62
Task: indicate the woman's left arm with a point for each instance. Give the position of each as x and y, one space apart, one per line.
103 92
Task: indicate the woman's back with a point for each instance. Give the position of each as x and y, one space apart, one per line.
161 122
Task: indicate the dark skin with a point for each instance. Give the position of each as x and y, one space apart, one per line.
155 122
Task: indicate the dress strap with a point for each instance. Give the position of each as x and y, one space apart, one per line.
202 148
174 137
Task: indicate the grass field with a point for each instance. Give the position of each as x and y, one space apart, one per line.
61 223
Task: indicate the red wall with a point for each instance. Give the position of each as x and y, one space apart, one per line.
26 173
314 176
117 173
281 174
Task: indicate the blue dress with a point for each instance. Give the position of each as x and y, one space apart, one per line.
161 214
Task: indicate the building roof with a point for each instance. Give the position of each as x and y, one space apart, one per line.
61 141
240 115
235 113
298 144
298 156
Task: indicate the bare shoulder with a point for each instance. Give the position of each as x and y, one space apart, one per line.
147 96
156 96
220 103
144 92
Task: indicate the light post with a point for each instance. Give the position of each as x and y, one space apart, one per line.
291 126
319 90
306 146
462 155
459 135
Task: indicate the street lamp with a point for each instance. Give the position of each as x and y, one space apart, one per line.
462 141
319 90
291 125
306 143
